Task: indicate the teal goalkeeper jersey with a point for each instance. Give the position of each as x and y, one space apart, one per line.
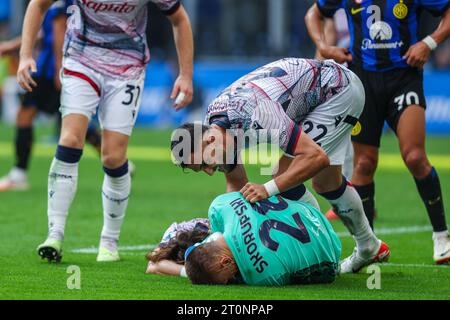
277 241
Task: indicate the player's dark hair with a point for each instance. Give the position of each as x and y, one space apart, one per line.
174 250
192 131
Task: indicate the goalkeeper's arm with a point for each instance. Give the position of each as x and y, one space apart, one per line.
166 267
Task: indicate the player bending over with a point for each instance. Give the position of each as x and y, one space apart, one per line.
308 107
271 242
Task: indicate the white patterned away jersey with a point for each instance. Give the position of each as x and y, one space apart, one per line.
278 96
109 35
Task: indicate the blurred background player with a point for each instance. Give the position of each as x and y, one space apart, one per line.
388 56
46 96
105 56
273 242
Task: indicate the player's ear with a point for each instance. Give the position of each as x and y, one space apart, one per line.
210 138
225 260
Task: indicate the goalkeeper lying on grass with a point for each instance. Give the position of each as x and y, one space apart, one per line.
273 242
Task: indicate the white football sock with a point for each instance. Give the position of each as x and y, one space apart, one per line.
309 198
115 195
18 174
350 210
439 235
62 186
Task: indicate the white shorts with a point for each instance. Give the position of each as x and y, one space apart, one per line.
84 90
331 123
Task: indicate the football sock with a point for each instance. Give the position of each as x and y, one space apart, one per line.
294 193
348 206
62 186
367 194
347 167
439 235
115 192
301 193
23 144
430 192
309 198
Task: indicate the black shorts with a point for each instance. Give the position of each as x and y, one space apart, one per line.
388 94
45 97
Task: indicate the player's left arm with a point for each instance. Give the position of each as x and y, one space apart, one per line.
418 54
59 31
9 46
184 43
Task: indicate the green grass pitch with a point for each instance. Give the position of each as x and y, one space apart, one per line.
162 194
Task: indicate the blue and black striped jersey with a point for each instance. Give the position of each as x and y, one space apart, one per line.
46 59
381 31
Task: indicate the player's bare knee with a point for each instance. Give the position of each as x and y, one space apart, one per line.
324 186
112 160
417 162
318 187
365 165
71 140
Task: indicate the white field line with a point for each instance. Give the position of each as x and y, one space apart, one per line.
414 265
94 250
393 231
380 231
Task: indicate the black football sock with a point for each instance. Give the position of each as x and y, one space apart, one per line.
367 194
23 144
430 192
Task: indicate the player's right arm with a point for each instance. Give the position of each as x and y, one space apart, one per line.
34 16
314 20
330 35
164 267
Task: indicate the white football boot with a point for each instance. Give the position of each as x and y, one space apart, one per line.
357 261
51 250
15 180
441 249
106 255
